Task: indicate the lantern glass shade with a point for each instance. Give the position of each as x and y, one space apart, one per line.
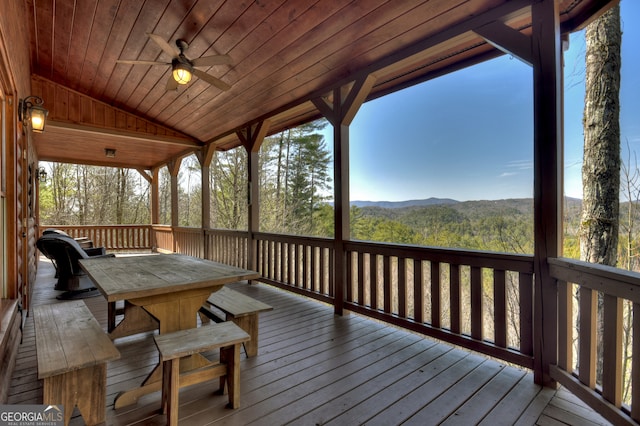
181 74
38 117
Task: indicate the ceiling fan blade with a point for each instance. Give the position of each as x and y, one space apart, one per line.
126 61
207 61
172 84
173 51
211 80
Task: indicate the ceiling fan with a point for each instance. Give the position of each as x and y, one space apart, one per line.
182 67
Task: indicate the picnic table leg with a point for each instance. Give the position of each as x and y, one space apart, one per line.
136 320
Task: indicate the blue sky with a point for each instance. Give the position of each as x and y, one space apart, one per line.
469 135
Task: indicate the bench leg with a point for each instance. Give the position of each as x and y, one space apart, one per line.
171 390
231 357
111 316
85 388
249 323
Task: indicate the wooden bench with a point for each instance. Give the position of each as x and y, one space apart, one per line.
239 308
181 344
72 351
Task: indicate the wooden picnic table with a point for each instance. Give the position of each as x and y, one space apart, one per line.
170 288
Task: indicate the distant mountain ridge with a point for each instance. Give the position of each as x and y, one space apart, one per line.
512 202
402 204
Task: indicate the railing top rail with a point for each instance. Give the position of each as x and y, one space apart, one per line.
505 261
188 229
232 232
607 279
286 238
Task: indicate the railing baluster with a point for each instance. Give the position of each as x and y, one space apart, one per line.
361 280
314 269
454 298
305 267
525 285
290 263
373 280
418 291
500 308
402 287
565 320
348 293
386 285
612 350
587 343
436 309
477 319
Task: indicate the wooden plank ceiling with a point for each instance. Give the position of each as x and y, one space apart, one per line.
283 54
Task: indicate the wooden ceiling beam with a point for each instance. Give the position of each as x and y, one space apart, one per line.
508 40
145 174
253 136
160 139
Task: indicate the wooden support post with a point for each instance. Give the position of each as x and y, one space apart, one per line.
548 181
252 138
174 169
340 111
155 196
205 156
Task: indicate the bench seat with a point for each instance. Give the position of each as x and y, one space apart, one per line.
239 308
72 352
182 344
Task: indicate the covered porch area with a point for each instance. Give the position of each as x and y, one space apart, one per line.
317 368
320 359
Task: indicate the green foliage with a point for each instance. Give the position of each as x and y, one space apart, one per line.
82 195
294 173
229 189
505 226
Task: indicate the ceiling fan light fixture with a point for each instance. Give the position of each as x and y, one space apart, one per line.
182 72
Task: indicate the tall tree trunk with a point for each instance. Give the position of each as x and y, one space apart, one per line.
601 164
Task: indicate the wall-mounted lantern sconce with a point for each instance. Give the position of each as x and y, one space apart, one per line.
32 113
42 174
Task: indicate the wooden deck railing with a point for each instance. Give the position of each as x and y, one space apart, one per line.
479 300
591 332
111 237
163 237
301 264
189 241
226 246
482 301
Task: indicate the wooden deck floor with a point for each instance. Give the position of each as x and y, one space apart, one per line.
314 368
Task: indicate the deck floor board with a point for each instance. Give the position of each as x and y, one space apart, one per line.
315 368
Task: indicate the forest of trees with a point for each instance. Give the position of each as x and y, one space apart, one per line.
295 198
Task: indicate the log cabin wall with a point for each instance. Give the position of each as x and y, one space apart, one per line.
19 223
